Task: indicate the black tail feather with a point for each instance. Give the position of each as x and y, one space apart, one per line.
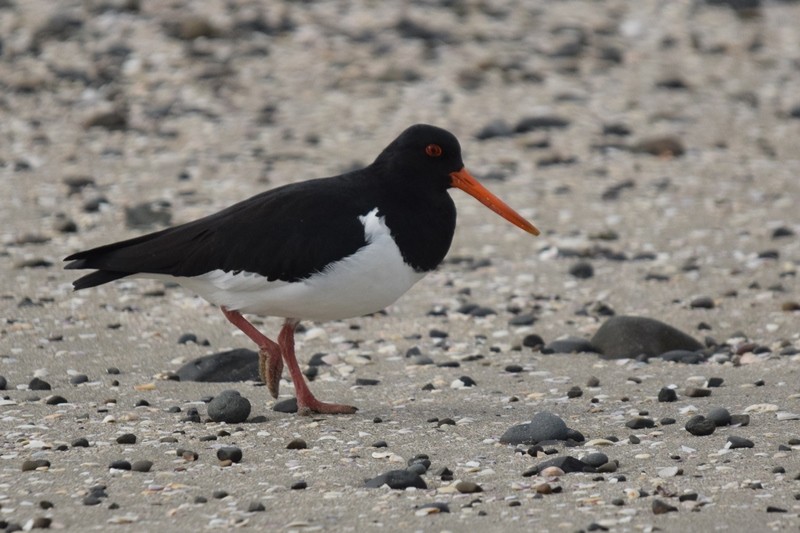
96 278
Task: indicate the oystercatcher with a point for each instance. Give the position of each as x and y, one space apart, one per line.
323 249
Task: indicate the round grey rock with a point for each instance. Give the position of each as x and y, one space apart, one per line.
544 426
631 336
229 406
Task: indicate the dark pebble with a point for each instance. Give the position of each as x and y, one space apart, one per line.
714 382
126 438
595 459
773 509
640 422
420 459
702 302
299 485
32 464
667 421
232 365
80 443
445 422
229 406
55 399
39 384
740 420
3 383
667 395
666 146
397 479
380 444
468 487
631 336
661 507
286 406
739 442
467 381
582 270
256 507
782 231
219 494
120 465
700 426
297 444
574 392
532 341
720 416
514 369
78 379
684 356
366 382
229 453
566 463
544 426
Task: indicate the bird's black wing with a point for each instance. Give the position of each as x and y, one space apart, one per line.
287 233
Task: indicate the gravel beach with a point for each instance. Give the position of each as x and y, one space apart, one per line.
655 144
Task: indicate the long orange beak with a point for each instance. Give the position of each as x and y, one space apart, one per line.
463 180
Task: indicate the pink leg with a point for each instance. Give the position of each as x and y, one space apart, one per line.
270 364
306 402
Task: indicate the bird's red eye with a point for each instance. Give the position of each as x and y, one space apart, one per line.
433 150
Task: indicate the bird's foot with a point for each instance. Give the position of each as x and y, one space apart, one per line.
312 405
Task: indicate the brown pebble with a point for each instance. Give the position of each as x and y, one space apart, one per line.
544 488
35 464
468 487
661 507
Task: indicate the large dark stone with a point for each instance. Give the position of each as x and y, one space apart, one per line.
233 365
631 336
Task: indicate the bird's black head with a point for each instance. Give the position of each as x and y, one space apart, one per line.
423 152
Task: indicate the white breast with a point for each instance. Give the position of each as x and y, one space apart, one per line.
362 283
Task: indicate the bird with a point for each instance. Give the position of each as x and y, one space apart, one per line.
322 249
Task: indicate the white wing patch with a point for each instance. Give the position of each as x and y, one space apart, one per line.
364 282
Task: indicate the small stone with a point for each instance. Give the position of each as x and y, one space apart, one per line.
631 336
77 379
229 406
696 392
641 422
661 507
468 487
80 443
55 399
34 464
714 382
702 302
229 453
720 416
120 465
142 465
544 426
397 479
126 438
297 444
667 395
513 369
574 392
582 270
38 384
286 406
595 459
299 485
219 494
735 442
256 507
593 382
700 426
532 341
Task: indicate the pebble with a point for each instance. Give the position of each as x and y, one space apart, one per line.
142 465
229 406
640 422
544 426
256 507
702 302
286 406
582 270
700 426
735 442
468 487
432 508
566 464
720 416
595 459
667 394
229 453
297 444
631 336
299 485
34 464
229 366
661 507
39 384
126 438
120 465
696 392
397 479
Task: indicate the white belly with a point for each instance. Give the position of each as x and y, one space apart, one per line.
362 283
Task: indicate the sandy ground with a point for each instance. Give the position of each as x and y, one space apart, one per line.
273 94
